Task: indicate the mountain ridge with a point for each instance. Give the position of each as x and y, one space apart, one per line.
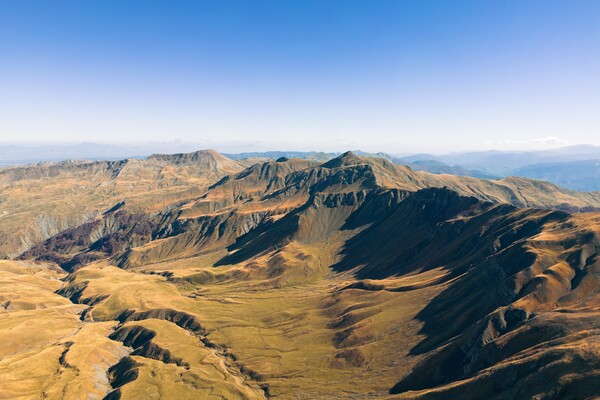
348 278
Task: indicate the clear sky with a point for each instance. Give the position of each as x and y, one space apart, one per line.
395 76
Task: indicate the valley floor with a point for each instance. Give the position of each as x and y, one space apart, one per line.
223 339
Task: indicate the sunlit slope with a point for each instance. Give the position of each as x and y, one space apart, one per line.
466 277
289 279
47 352
39 201
459 264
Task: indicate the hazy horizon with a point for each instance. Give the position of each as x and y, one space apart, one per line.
236 147
399 77
242 147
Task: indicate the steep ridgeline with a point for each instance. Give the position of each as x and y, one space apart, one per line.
518 313
257 197
39 201
344 279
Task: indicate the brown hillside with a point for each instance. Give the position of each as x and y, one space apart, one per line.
198 277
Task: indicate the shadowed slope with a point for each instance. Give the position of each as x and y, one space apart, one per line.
296 279
522 308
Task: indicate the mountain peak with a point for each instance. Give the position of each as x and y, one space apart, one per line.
188 157
208 159
343 160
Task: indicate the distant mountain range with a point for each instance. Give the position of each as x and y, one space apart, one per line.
574 167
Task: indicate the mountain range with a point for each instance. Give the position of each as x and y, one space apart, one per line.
196 275
574 167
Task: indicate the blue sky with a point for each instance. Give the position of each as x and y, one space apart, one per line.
396 76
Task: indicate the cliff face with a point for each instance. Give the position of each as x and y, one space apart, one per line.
351 277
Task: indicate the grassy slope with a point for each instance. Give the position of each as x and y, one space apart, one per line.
274 319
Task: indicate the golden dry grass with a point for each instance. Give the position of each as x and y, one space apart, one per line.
278 320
